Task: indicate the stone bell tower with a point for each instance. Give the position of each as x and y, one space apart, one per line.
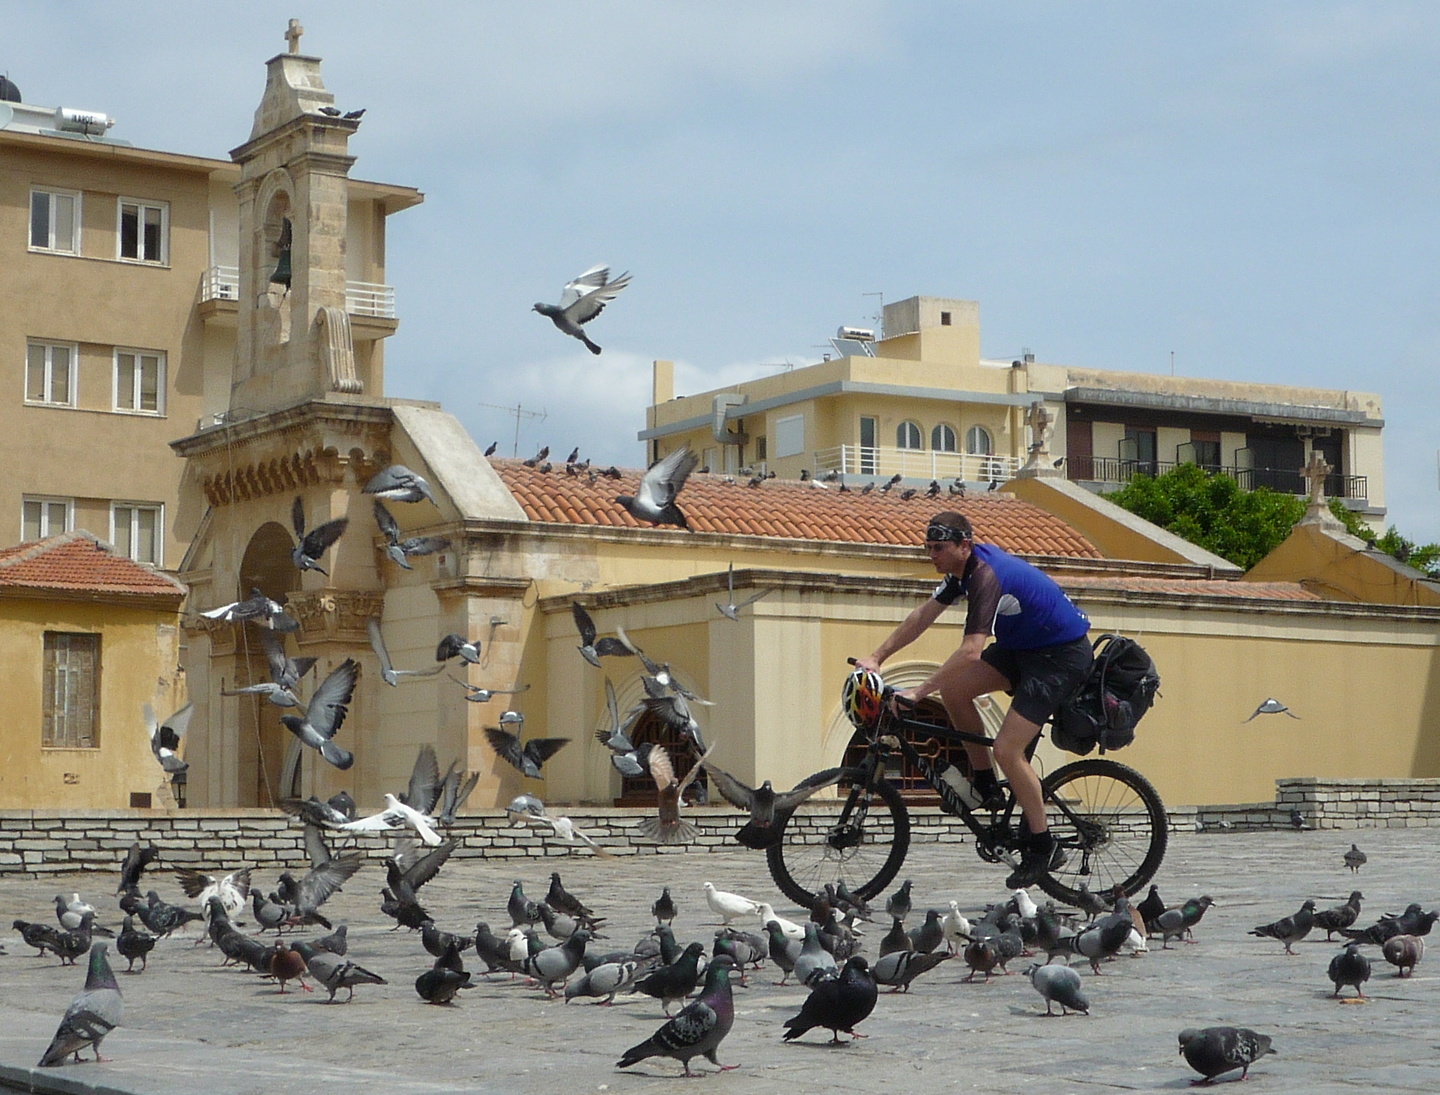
294 339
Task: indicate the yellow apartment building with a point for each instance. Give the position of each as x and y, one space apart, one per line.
922 403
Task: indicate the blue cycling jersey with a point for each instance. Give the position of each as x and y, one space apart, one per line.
1017 603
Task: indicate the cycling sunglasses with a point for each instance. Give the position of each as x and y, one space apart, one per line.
940 534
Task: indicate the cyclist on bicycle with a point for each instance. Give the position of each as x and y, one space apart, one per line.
1040 656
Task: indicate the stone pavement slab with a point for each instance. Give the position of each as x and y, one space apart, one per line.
194 1027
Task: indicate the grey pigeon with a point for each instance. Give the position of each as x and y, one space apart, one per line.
1355 859
1059 985
675 981
769 809
899 968
837 1004
1104 939
554 965
397 483
136 860
1404 952
1176 923
1217 1050
605 980
783 950
521 909
335 972
91 1015
1289 929
582 300
664 907
675 713
730 610
527 758
898 904
814 963
326 713
1413 921
401 549
698 1029
929 934
285 674
1271 707
165 738
133 943
592 649
1349 967
458 646
654 498
257 607
313 544
628 758
388 673
1341 916
475 694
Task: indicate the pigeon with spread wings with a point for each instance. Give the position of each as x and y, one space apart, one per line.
591 648
285 674
326 713
528 758
315 543
165 738
257 607
668 827
730 610
769 809
654 498
582 300
397 483
400 549
388 673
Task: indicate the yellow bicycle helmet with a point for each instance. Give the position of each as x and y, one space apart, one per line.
862 696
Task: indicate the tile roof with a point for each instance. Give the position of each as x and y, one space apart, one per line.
794 510
1199 587
76 562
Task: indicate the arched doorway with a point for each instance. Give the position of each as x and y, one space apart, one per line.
269 755
640 790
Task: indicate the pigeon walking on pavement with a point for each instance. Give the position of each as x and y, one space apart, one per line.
1058 985
93 1014
582 300
1404 953
654 498
1214 1051
837 1004
1355 859
1349 967
1289 929
1340 917
728 906
698 1029
899 968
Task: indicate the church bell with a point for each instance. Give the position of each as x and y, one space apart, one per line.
281 276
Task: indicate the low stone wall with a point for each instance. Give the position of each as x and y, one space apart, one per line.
38 842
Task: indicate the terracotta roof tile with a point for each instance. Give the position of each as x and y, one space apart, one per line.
1268 591
78 563
794 510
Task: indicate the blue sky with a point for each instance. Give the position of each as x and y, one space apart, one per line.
1252 186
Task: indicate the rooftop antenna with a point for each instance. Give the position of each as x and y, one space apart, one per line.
519 412
1172 362
879 316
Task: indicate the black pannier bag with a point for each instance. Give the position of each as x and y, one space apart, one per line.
1120 689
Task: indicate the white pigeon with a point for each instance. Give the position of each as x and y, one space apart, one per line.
395 814
728 906
956 927
582 300
529 810
1025 904
791 929
233 890
654 498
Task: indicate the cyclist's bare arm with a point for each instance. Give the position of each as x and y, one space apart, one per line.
910 629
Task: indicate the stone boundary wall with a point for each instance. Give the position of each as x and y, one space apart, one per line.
41 842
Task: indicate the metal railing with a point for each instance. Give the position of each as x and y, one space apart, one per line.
1111 469
916 463
362 298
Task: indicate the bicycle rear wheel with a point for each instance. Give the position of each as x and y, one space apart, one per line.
866 853
1114 828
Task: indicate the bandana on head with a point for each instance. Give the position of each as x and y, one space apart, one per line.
940 534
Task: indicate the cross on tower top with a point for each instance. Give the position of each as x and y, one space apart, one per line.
1315 473
292 35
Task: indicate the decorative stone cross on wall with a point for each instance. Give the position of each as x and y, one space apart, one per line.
292 35
1315 473
1038 418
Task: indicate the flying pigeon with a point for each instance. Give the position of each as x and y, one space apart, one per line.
400 550
769 809
668 827
395 815
700 1026
529 758
730 610
232 889
388 673
476 694
591 648
837 1004
1290 929
94 1013
458 646
1350 967
397 483
582 300
529 810
285 674
1059 985
136 860
654 498
1355 859
326 713
628 758
165 738
1217 1050
313 544
257 607
1271 707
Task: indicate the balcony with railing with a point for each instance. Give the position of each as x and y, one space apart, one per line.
1108 470
863 460
370 302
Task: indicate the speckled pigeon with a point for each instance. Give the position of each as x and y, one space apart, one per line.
1217 1050
698 1029
94 1013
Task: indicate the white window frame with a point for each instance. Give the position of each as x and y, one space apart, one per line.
132 518
937 437
974 449
43 525
140 205
789 434
52 246
73 381
917 433
117 388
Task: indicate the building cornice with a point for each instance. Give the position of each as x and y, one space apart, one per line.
1246 408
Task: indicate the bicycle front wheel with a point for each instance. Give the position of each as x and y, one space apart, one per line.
866 853
1110 822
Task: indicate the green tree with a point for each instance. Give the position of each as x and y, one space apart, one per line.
1210 509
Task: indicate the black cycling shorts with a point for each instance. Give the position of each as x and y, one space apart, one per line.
1042 679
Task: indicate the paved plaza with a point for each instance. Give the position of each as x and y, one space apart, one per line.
193 1027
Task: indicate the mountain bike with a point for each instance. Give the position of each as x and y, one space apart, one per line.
1109 824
